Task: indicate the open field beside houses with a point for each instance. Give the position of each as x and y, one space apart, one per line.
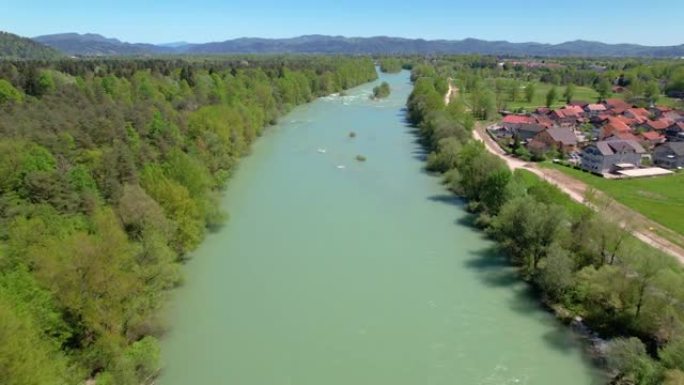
660 199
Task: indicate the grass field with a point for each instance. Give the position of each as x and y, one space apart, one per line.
541 89
660 199
585 94
553 194
574 208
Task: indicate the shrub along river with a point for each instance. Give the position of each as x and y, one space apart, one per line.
334 271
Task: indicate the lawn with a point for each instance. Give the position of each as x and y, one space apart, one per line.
660 199
585 94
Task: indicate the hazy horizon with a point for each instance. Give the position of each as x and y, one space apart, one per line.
185 41
212 20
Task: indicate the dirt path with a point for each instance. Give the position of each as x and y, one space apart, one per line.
453 91
645 229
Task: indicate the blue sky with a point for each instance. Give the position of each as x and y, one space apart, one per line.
644 22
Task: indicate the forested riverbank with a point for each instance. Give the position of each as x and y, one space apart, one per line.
581 264
110 172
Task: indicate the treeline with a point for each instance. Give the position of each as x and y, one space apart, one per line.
581 263
110 174
511 80
390 65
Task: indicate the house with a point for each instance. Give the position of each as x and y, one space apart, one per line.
613 126
657 125
618 106
658 111
558 138
669 155
652 138
623 136
639 115
673 115
567 116
523 126
607 156
593 110
675 133
513 122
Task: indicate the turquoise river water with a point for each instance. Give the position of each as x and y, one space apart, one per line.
362 275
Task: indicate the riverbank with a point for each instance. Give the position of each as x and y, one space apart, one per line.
364 274
100 208
579 261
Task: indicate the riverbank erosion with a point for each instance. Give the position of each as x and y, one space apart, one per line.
365 274
110 175
584 265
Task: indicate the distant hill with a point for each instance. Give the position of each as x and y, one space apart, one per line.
392 45
91 44
17 47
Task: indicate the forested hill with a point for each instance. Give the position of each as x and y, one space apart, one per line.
90 44
17 47
96 45
110 173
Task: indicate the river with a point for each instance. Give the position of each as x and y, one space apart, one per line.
364 275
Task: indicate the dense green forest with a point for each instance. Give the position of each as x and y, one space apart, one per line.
110 174
17 47
580 263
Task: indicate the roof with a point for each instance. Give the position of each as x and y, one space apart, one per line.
564 135
518 119
596 107
611 147
659 124
617 104
651 171
623 136
652 135
639 112
543 120
676 147
615 125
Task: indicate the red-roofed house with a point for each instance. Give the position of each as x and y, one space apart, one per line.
652 138
613 126
525 127
568 115
657 125
617 106
641 115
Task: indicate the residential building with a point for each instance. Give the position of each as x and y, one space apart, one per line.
558 138
669 155
675 132
607 156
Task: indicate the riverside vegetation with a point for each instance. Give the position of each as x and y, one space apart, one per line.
581 264
110 172
381 91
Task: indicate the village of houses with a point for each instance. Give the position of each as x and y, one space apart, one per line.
612 138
